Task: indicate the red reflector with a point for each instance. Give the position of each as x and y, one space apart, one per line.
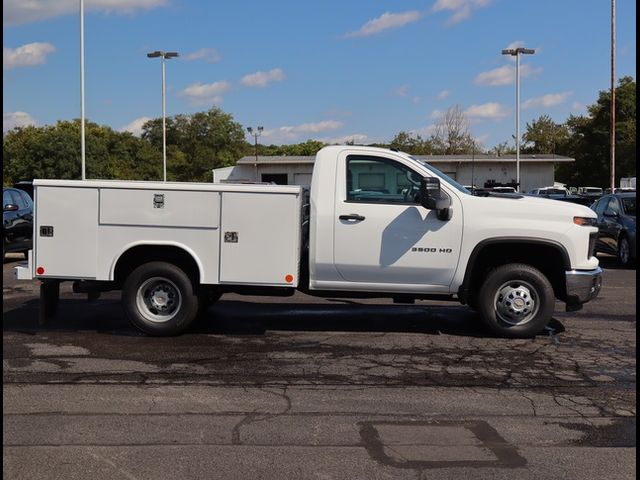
288 278
40 270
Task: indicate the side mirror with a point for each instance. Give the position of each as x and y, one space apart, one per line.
10 207
429 192
431 198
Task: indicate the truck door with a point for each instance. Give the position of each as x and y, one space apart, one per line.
382 234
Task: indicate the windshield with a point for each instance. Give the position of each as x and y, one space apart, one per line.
629 205
445 177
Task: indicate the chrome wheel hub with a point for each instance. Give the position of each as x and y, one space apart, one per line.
516 302
158 299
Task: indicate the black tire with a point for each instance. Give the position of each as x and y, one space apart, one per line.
160 299
624 252
516 301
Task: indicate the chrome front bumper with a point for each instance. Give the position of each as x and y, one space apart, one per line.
582 286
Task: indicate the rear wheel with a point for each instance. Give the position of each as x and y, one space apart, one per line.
516 300
159 299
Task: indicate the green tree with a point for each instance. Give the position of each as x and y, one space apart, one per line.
412 143
308 148
502 149
543 135
452 135
589 140
53 151
198 143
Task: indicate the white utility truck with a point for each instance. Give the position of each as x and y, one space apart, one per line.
376 223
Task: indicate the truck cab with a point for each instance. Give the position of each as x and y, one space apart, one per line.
373 230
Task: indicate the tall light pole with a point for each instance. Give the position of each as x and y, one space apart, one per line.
164 56
516 52
612 133
82 144
255 133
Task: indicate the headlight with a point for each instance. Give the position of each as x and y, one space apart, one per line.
585 221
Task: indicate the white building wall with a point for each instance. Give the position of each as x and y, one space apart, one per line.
532 174
297 174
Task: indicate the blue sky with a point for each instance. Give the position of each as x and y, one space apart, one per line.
330 70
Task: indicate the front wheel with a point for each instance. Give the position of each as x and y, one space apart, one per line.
516 301
159 299
624 252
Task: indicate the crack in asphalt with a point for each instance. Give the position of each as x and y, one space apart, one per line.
255 417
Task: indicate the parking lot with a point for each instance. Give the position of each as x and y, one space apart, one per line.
311 388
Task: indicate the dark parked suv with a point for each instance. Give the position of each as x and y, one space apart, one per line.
617 226
17 221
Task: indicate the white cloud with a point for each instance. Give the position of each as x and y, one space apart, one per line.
205 93
546 101
16 12
26 55
443 94
578 106
386 21
504 75
401 91
356 138
262 79
323 126
16 119
135 126
209 55
460 9
435 114
486 110
300 132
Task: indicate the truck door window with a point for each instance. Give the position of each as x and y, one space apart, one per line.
380 180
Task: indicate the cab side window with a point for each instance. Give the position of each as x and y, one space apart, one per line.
381 180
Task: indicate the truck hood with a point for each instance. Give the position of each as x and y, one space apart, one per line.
534 207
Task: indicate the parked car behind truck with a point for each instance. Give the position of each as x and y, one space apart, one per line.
171 247
17 221
617 226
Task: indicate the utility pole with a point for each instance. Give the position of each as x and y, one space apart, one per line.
613 97
516 52
473 161
163 56
255 133
82 122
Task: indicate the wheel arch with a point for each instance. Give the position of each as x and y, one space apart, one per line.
548 256
135 254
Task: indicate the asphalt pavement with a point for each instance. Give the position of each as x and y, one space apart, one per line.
306 388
